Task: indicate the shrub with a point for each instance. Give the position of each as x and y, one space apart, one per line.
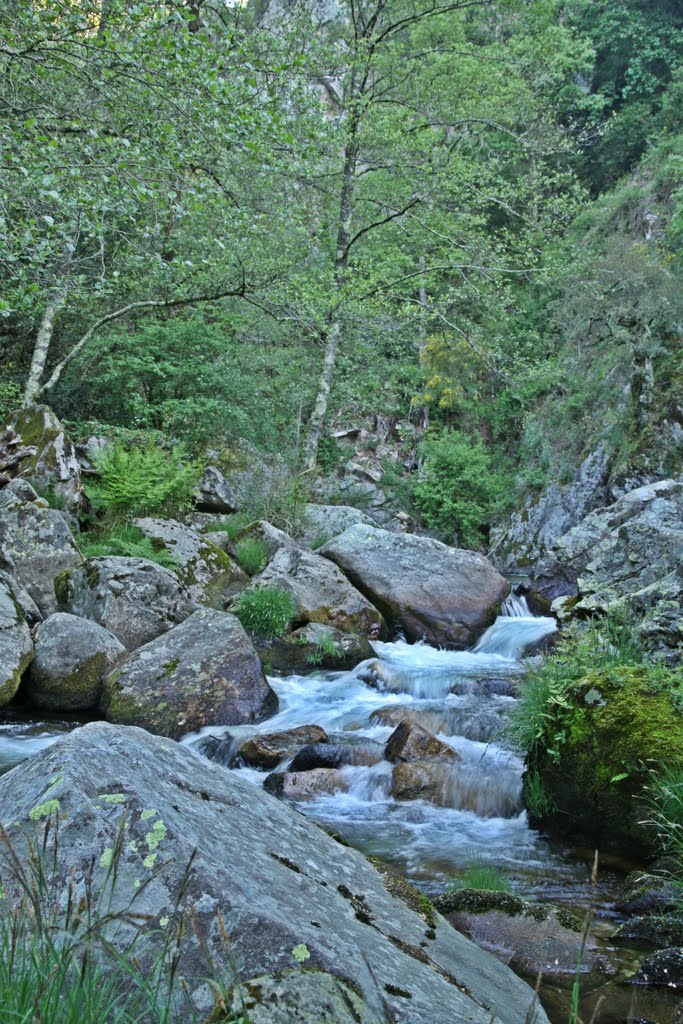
479 874
266 611
252 554
457 490
127 541
143 481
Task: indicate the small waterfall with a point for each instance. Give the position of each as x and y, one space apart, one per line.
515 630
515 607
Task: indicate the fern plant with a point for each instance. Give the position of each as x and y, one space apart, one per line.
142 481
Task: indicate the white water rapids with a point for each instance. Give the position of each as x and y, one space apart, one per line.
463 697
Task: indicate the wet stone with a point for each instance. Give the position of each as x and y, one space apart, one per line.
410 742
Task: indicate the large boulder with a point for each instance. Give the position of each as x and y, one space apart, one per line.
424 588
290 897
410 742
36 543
133 598
35 446
204 571
214 493
203 672
615 725
322 592
268 749
16 647
72 657
323 522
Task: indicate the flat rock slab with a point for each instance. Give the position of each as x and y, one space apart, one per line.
203 672
424 588
288 893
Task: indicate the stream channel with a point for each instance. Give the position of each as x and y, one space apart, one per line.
476 816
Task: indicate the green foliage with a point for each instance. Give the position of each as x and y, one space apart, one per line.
537 800
232 525
539 720
252 554
665 805
127 541
325 650
10 398
457 489
49 494
143 481
266 611
482 875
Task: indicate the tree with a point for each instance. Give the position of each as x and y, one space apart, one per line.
119 136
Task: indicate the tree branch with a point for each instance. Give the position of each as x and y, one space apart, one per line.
131 308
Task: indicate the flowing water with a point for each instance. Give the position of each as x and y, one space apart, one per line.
474 813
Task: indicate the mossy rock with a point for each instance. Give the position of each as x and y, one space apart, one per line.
620 724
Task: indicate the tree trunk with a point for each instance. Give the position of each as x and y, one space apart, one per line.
333 336
42 346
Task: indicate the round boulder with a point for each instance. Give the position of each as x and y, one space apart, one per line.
72 657
203 672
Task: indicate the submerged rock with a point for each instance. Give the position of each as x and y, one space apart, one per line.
203 672
336 754
410 742
36 543
424 588
290 897
133 598
322 592
72 657
534 939
16 646
662 969
267 750
306 785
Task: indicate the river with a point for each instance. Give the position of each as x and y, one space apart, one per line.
476 814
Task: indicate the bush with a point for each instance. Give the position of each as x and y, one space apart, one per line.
127 541
266 611
252 554
143 481
665 803
458 488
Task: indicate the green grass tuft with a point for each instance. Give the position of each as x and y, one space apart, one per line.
266 611
127 541
480 874
252 554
